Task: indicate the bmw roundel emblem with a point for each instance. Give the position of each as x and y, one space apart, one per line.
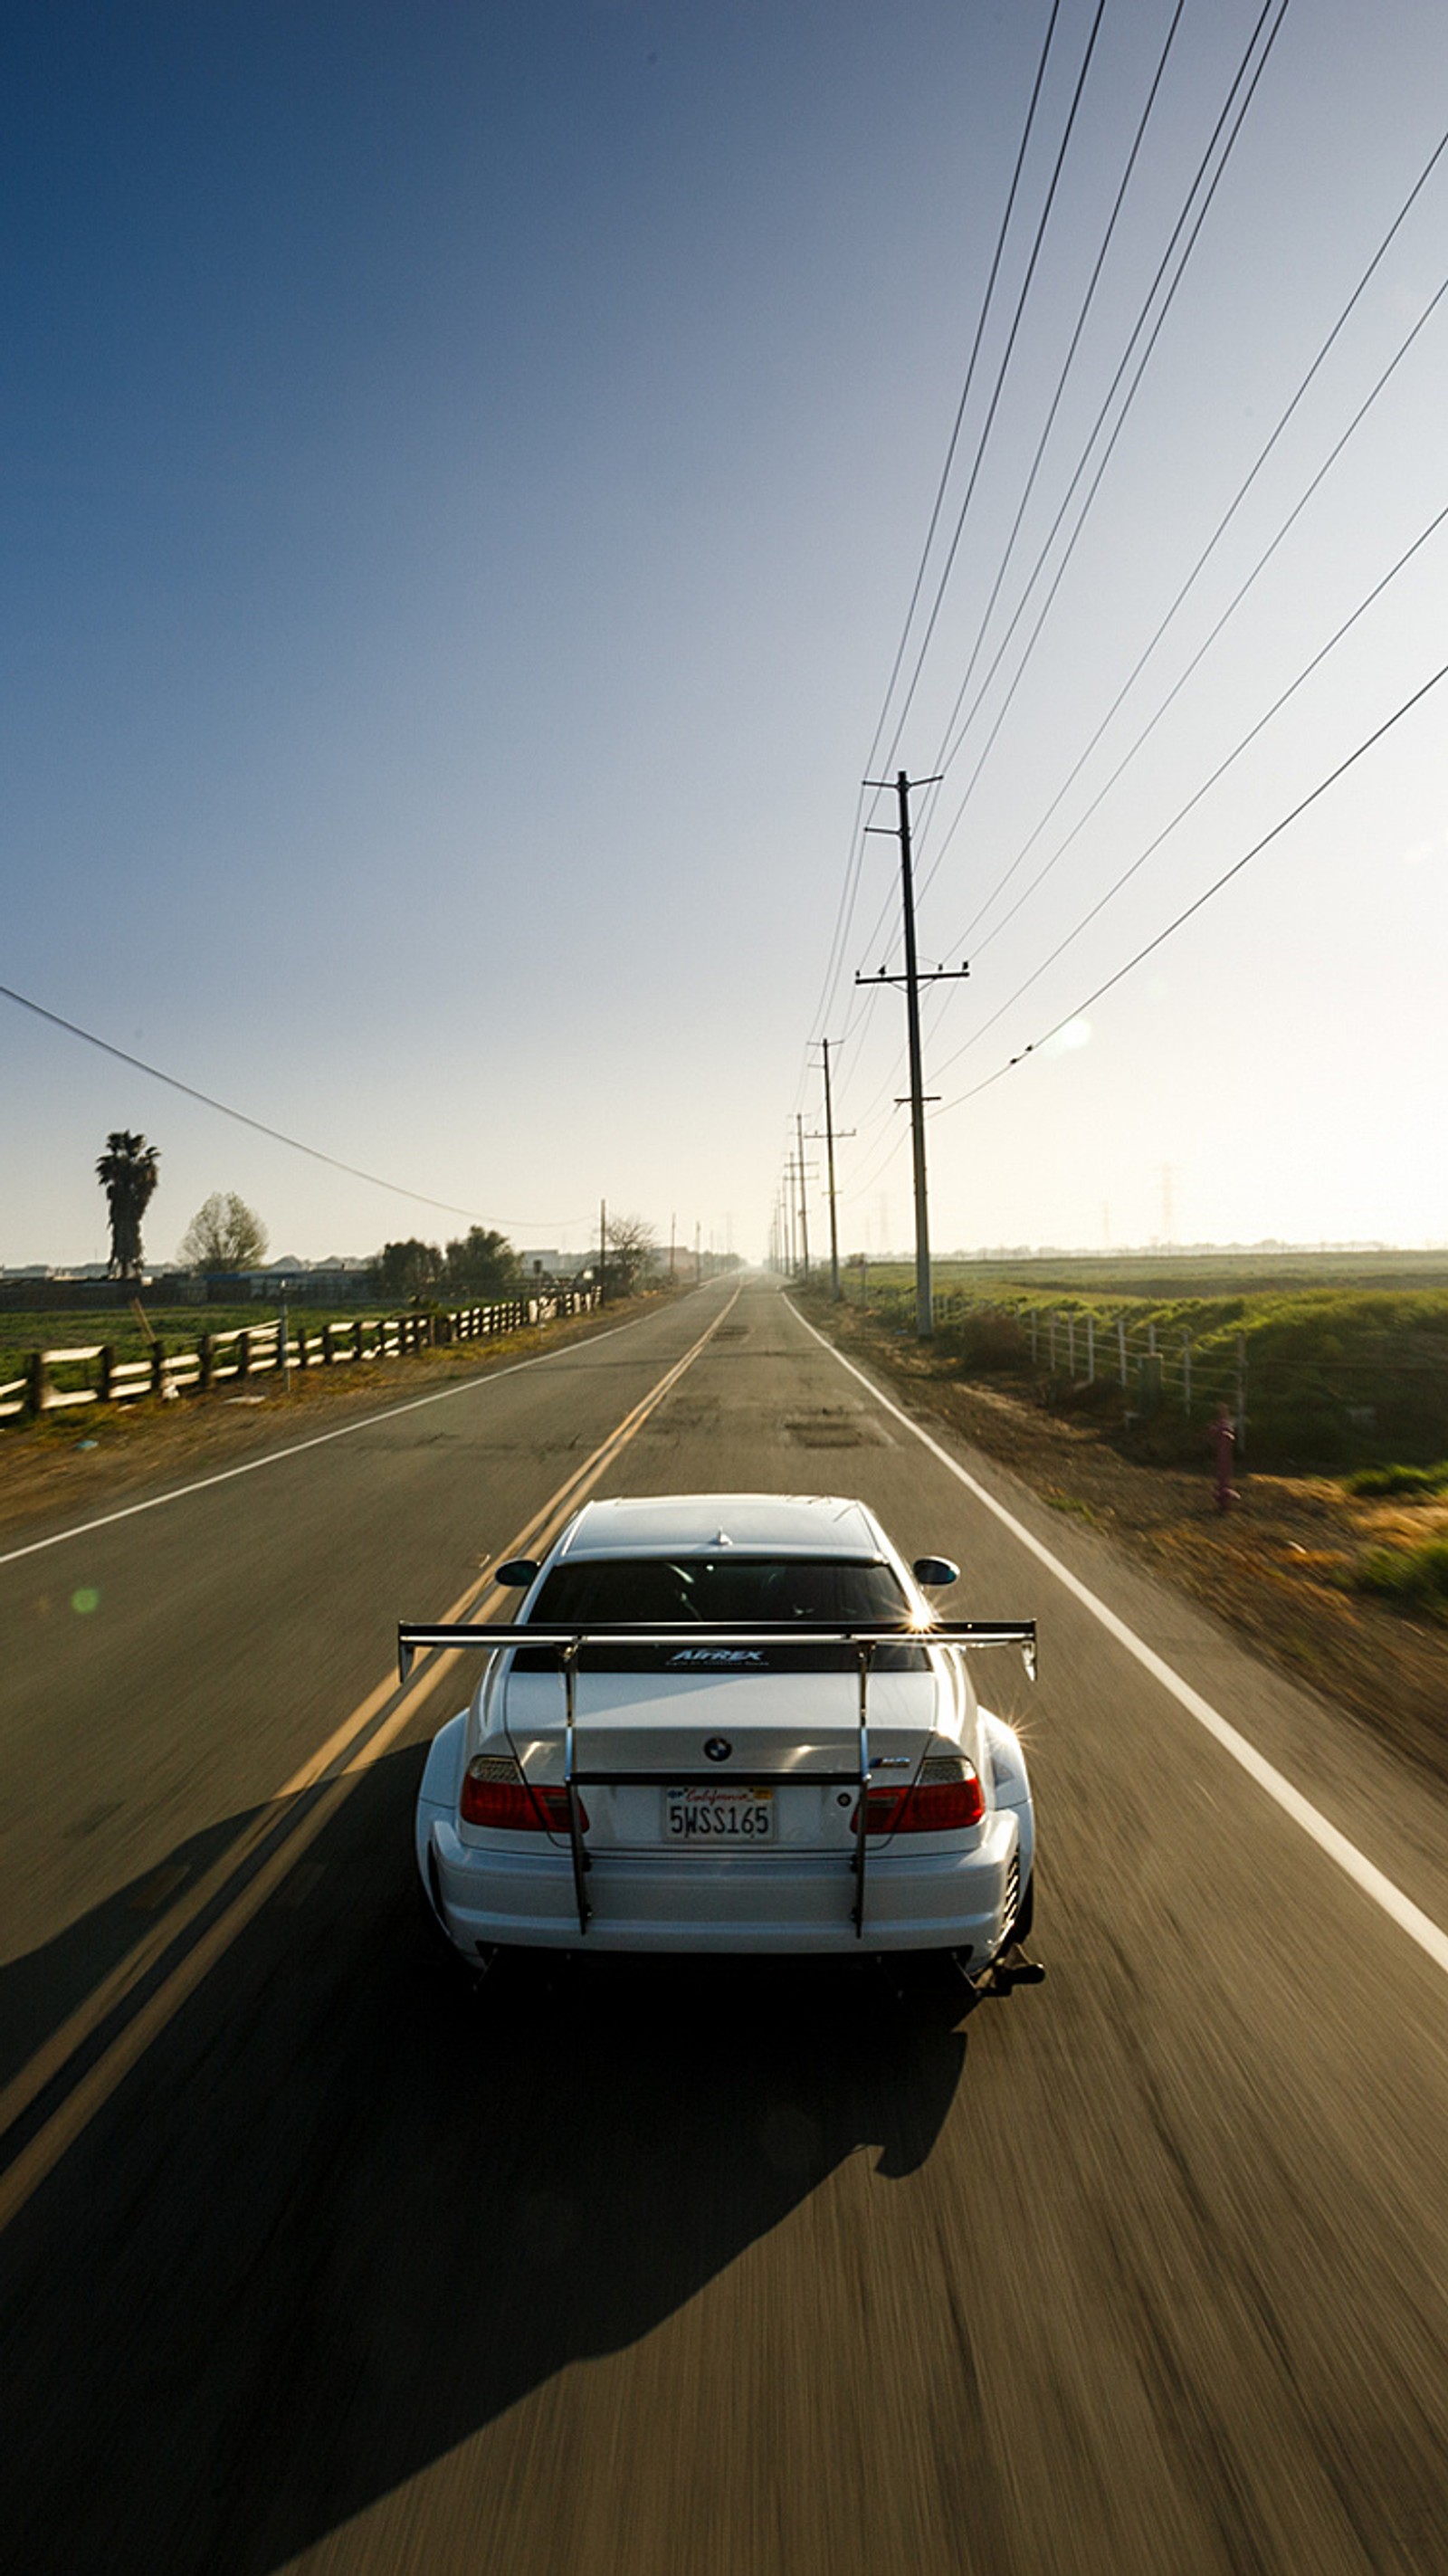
718 1748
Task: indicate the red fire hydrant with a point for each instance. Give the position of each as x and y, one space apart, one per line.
1224 1441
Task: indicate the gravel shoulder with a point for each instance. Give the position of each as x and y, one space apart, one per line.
1276 1567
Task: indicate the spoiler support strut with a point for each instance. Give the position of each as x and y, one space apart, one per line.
568 1643
568 1657
866 1653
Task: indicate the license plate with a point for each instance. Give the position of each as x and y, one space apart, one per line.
719 1816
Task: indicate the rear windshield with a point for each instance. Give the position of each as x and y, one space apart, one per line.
722 1592
718 1591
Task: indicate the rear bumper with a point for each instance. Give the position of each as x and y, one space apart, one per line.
737 1902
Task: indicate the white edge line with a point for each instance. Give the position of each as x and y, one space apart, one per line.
1409 1917
320 1440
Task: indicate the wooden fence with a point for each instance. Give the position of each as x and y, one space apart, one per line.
91 1373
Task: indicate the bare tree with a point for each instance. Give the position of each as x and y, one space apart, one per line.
224 1234
632 1245
128 1175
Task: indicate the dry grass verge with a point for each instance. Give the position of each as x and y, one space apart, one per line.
1281 1568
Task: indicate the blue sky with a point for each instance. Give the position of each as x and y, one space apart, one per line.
464 469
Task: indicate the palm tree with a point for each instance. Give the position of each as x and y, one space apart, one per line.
128 1175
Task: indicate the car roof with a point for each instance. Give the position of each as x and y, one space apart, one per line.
701 1524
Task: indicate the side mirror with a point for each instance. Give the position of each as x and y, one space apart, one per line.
517 1572
935 1571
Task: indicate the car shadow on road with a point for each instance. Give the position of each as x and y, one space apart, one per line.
346 2212
40 1988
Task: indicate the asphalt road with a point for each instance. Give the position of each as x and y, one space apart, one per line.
311 2259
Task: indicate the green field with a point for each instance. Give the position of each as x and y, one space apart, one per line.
1338 1361
1169 1274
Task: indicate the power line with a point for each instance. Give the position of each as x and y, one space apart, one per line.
259 1126
1202 559
849 890
1084 818
945 470
1206 896
1069 360
1208 783
1004 368
1242 102
951 750
1227 875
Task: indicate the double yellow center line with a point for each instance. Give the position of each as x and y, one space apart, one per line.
249 1872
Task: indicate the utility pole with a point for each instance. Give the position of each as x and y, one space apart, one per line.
830 1167
912 979
796 1211
602 1249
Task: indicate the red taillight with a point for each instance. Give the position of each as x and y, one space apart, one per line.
514 1806
933 1807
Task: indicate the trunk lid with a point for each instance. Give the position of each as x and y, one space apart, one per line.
789 1720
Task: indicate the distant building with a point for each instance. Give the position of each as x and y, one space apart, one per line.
317 1282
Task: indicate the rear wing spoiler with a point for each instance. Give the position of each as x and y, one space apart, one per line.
414 1638
568 1643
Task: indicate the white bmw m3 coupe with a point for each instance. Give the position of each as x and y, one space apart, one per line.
727 1723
